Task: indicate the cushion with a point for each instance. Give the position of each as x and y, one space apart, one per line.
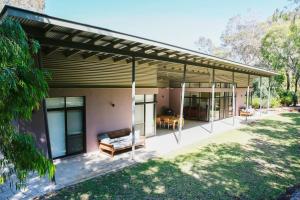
119 139
121 144
119 133
103 137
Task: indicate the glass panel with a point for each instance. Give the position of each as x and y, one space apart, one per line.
195 94
205 94
150 126
187 94
75 131
194 85
217 109
56 124
149 98
58 102
205 85
75 101
74 122
139 98
75 143
186 101
204 106
139 129
139 119
222 108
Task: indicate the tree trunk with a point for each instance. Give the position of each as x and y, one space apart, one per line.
296 88
288 80
296 82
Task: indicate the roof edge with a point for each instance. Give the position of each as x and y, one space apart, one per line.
12 10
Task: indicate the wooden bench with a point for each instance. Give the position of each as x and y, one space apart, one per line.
115 141
245 113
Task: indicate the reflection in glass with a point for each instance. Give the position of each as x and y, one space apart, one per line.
75 101
57 102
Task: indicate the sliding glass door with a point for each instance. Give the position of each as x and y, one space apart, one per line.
196 106
66 122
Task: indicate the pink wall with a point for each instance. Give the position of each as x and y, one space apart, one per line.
37 128
101 116
162 100
175 100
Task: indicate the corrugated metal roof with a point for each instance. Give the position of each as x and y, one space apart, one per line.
54 33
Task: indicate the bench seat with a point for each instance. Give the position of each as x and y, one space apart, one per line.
114 141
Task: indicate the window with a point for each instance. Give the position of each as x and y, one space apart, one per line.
66 123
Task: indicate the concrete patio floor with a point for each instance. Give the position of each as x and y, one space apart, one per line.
78 168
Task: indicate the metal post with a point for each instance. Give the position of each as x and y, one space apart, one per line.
233 100
182 103
248 93
260 95
212 102
133 106
269 94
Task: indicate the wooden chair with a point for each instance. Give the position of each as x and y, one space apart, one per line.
159 122
166 121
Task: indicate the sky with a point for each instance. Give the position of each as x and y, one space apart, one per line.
177 22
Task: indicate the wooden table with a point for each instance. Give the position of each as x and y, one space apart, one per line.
170 120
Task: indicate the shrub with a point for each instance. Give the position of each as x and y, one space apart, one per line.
275 103
255 103
288 98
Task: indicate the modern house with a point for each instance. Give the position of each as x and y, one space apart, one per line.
104 80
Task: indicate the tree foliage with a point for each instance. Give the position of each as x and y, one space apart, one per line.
242 37
272 44
22 87
240 41
281 50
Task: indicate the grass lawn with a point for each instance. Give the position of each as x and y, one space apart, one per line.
258 161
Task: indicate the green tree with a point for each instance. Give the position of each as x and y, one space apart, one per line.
22 87
280 49
240 41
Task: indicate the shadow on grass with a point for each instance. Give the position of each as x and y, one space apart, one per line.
261 169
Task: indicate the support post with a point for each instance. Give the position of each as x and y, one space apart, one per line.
269 94
260 95
182 103
233 100
212 102
133 106
248 93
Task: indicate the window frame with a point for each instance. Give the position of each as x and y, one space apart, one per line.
65 109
